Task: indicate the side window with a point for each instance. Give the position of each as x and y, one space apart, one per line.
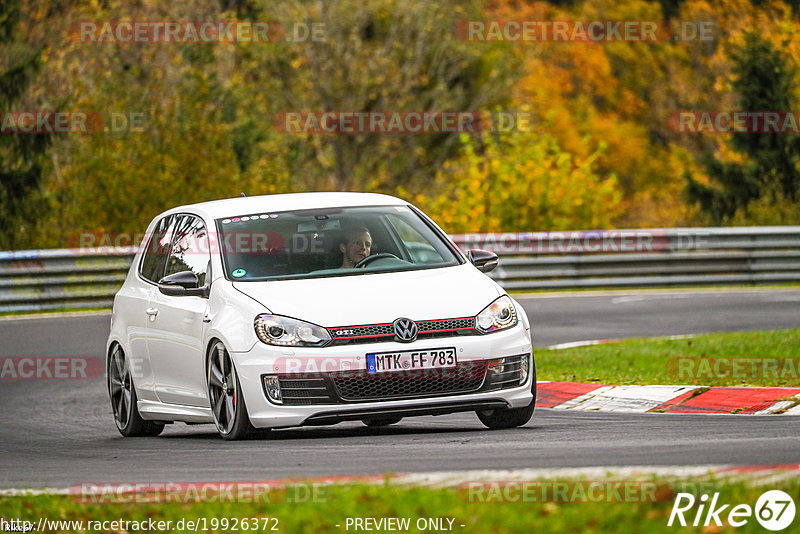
419 248
155 255
190 248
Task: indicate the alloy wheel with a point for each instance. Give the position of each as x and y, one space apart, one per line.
222 388
120 387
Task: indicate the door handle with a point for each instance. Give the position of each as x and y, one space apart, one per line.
152 312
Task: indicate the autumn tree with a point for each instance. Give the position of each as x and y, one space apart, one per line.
765 81
522 181
21 154
617 93
384 56
182 124
600 152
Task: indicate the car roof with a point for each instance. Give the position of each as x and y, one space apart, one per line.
232 207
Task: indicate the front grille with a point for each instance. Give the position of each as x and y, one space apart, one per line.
344 387
362 386
443 325
344 335
359 386
373 330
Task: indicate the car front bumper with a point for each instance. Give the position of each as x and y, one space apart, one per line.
264 359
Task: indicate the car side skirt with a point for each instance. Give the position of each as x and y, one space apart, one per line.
159 411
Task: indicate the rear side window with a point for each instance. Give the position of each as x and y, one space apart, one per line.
155 255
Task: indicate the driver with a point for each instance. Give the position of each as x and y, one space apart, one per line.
355 247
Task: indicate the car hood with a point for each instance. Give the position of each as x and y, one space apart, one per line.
447 292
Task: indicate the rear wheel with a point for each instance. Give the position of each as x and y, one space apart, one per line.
510 417
381 421
123 398
224 394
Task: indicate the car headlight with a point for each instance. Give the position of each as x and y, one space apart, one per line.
498 315
288 332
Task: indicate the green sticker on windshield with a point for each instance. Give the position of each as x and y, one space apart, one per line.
238 273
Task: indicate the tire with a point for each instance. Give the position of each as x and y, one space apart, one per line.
122 393
510 417
224 394
382 421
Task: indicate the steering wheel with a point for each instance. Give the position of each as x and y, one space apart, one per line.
369 259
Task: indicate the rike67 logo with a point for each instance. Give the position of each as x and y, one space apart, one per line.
774 510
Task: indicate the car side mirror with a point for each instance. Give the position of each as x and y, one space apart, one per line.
484 260
182 284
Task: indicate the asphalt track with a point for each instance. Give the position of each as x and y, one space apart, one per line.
56 433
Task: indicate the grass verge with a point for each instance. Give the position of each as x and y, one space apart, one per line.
760 358
647 512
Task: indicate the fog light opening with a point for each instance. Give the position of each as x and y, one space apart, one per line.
496 366
272 387
524 368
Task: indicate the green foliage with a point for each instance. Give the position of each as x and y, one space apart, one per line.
522 181
383 56
21 154
202 132
209 109
516 509
764 82
600 153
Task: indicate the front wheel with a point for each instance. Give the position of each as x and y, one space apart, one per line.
510 417
123 399
225 396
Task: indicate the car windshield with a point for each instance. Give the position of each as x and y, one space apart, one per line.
329 242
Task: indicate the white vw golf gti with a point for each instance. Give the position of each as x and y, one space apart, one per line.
311 309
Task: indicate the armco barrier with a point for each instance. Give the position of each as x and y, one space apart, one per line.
642 258
73 278
34 280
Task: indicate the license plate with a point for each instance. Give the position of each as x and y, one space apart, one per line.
411 360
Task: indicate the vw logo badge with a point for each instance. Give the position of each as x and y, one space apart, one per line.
405 330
